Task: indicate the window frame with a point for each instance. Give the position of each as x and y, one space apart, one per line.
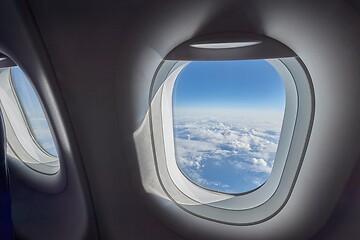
21 143
22 110
225 207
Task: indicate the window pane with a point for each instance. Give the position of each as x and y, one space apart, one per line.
227 122
33 111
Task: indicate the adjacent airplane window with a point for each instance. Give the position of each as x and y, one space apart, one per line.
33 111
227 123
28 133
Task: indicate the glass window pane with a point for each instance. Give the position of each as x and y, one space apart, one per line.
227 122
33 111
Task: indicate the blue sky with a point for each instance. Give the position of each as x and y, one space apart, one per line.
245 84
227 122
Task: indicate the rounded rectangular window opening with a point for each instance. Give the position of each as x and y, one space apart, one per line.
249 120
227 121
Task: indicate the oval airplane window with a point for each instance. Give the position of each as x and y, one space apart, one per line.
227 119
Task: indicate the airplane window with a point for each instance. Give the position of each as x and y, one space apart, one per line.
29 137
222 133
227 118
33 111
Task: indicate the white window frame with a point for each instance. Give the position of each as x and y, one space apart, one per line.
263 202
21 143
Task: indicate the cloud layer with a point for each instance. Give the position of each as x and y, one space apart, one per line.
226 153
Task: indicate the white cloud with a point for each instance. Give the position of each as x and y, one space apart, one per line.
255 165
245 144
198 179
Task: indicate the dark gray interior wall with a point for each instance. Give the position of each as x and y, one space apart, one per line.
344 221
45 211
84 41
93 47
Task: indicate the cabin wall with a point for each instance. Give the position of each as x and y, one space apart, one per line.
99 58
